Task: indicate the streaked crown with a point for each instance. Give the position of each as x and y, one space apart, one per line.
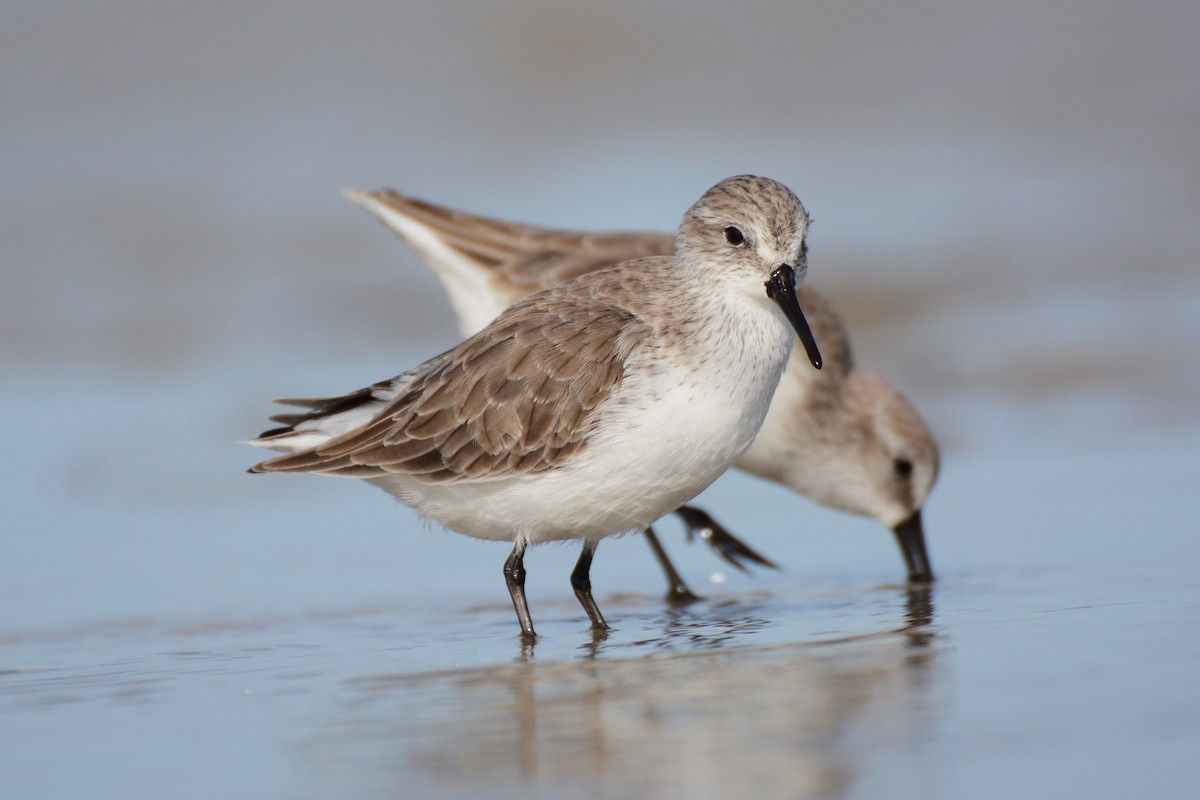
747 220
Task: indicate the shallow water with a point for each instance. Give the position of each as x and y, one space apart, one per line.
1005 205
313 641
846 693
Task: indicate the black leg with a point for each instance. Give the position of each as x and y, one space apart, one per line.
678 593
581 582
514 576
724 543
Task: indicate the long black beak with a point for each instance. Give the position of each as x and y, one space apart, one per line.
782 289
910 535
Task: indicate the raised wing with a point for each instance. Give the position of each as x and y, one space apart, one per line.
526 256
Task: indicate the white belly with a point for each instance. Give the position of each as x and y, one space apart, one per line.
674 426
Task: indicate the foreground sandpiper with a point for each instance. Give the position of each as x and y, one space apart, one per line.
594 407
843 437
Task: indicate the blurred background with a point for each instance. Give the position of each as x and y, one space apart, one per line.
1006 201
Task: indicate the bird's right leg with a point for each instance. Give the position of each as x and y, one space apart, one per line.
514 576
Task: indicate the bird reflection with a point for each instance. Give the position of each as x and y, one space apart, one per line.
918 616
687 710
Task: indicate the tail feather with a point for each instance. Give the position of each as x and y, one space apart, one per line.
329 417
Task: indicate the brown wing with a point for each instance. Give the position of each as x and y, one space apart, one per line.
516 398
558 256
526 255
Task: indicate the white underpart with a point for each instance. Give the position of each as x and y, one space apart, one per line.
674 426
773 447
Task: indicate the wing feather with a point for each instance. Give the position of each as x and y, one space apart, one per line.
517 398
528 256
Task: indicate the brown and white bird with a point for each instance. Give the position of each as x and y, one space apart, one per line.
589 409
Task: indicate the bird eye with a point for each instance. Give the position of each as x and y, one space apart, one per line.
734 236
903 467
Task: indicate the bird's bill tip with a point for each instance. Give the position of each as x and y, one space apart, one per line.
910 536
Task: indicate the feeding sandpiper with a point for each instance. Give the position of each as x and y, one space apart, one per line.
592 408
843 436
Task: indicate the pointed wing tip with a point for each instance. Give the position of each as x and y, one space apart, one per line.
356 195
373 199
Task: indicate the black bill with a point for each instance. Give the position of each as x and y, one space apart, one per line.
910 535
782 289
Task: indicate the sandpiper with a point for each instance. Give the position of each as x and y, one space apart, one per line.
591 408
843 437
